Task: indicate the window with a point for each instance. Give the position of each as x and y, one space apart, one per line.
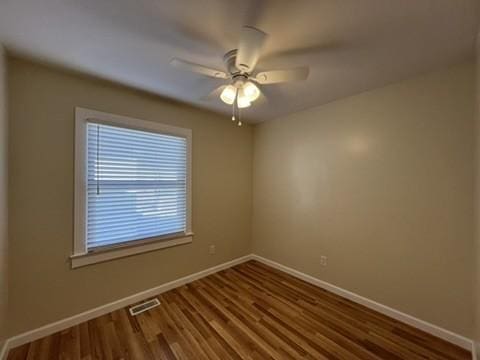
132 189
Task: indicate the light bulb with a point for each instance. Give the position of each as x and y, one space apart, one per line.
243 103
228 94
233 118
251 91
242 100
239 123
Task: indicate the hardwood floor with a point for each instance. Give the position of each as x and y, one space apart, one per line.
250 311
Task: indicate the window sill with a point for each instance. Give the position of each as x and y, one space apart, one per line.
129 250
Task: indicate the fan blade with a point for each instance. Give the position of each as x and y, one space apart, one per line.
307 53
185 65
251 43
215 94
279 76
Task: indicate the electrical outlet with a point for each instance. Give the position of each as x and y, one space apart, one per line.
211 249
323 260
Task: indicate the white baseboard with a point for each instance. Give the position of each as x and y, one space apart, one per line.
383 309
105 309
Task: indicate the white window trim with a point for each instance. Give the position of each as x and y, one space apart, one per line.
81 256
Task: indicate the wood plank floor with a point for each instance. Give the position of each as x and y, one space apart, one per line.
250 311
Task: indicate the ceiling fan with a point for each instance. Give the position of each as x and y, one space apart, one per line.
243 83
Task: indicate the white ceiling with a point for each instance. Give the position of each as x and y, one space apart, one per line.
350 45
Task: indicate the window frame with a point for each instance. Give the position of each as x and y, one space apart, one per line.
81 254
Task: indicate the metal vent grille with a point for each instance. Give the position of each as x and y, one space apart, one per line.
147 305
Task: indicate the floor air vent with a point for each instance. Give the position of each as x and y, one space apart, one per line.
147 305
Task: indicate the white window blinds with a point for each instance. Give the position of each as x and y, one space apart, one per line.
136 185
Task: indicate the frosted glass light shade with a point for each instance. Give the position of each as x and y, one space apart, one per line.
251 91
228 94
242 100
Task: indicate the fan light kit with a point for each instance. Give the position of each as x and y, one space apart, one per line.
243 89
244 92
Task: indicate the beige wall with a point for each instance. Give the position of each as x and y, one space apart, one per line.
476 288
3 198
43 287
382 184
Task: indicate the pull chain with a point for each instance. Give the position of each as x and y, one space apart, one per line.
236 111
235 106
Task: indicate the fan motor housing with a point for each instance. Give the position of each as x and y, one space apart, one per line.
229 59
